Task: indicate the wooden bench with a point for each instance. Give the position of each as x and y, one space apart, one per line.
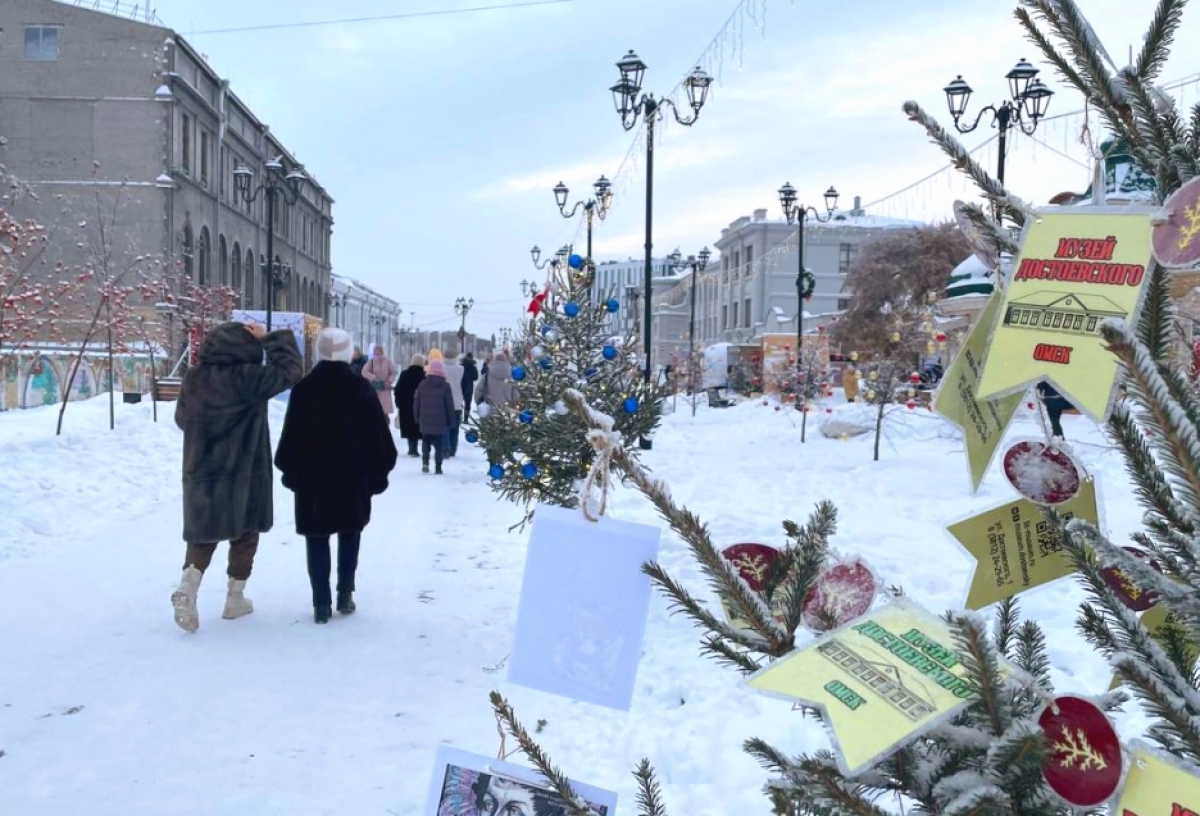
715 400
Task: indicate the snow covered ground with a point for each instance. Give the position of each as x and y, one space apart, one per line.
107 708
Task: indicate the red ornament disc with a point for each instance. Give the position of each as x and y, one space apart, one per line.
1042 474
844 591
1176 241
752 561
1128 592
1083 752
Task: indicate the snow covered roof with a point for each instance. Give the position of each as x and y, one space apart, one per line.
971 277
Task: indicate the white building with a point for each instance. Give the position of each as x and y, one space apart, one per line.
750 288
625 280
373 318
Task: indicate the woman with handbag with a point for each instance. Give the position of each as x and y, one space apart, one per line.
381 374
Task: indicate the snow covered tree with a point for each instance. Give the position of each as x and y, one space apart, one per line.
990 758
537 449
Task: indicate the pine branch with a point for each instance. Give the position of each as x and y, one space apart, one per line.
556 778
998 237
727 655
649 797
983 668
962 160
1154 328
1005 629
1158 135
721 575
1150 483
1179 444
1156 46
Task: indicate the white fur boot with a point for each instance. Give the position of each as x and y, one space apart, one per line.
184 600
236 603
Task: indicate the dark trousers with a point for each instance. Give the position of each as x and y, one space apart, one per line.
1054 410
452 435
412 447
241 556
467 394
438 443
319 565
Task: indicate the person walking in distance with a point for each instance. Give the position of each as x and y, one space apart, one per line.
470 376
434 406
406 393
335 454
454 376
380 372
227 475
358 362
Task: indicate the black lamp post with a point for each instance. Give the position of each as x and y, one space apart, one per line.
806 282
560 257
630 105
461 307
276 183
698 265
529 288
378 321
592 207
1030 98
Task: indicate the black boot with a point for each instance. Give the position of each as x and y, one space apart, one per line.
322 614
345 603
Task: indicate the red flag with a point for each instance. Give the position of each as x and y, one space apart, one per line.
535 305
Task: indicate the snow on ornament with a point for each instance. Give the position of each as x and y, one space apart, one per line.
1041 473
842 591
1176 234
1125 589
559 408
1083 752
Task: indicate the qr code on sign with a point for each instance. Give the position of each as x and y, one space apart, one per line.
1049 541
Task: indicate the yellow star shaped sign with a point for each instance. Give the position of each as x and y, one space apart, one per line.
1158 785
983 422
1076 269
879 680
1016 548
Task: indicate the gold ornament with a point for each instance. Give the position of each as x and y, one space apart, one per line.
873 376
895 337
871 394
854 356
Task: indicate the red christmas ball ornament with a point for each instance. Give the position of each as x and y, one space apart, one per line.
1042 474
911 405
764 402
1029 405
820 329
844 591
752 561
1083 752
776 407
914 378
1125 589
940 337
829 410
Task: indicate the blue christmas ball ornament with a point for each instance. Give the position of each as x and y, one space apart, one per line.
496 472
591 372
631 405
472 437
518 373
525 416
546 329
609 352
571 309
545 363
529 470
612 304
575 261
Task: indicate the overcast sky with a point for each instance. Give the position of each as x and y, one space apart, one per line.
441 136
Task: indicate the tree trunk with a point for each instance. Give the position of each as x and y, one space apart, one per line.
75 363
879 426
112 378
803 422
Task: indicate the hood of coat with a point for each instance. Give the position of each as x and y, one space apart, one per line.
230 344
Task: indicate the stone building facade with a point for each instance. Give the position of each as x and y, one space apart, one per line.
115 122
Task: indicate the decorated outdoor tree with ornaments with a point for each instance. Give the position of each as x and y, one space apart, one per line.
537 449
1012 745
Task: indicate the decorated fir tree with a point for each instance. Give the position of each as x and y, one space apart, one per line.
1008 750
537 449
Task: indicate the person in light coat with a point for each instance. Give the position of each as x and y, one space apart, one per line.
454 376
380 372
496 388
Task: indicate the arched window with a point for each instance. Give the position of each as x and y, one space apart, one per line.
250 299
189 250
237 275
204 258
222 262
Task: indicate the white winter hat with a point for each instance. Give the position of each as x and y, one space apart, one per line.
335 345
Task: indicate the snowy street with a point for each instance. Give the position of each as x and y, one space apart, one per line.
107 708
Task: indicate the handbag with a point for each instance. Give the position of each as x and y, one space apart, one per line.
378 385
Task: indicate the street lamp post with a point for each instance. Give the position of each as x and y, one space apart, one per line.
805 281
1030 98
592 207
276 183
461 307
378 321
698 265
630 105
529 288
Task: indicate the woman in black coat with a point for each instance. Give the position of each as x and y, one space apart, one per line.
335 453
406 392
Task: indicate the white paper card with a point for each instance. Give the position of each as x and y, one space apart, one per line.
584 601
466 784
